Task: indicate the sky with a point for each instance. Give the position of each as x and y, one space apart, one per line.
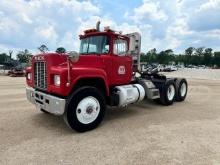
163 24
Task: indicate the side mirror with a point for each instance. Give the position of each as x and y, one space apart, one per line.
135 43
74 56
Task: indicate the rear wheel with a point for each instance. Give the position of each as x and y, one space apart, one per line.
167 93
85 110
181 89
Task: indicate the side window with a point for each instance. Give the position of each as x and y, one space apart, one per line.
120 47
84 45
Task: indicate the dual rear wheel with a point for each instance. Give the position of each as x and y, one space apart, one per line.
86 107
173 91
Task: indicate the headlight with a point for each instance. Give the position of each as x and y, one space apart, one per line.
29 76
56 79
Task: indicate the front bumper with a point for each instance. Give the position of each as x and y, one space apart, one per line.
49 103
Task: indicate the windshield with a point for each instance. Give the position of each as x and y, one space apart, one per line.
94 45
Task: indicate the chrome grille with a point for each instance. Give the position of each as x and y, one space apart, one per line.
40 75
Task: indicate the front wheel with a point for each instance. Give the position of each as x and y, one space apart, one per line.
85 110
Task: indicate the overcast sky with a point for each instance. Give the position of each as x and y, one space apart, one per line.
175 24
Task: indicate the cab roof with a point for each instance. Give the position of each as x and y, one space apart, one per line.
95 32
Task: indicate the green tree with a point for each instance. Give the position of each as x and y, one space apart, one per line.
199 53
43 48
165 57
153 51
61 50
161 57
10 52
151 55
189 52
170 57
207 59
216 59
3 58
24 56
169 52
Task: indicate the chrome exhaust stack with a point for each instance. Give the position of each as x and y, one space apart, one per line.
98 26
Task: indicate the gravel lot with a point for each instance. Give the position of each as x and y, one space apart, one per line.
206 74
146 133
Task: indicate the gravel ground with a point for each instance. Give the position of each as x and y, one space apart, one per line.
206 74
146 133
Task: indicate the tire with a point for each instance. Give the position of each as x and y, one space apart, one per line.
167 93
181 89
85 109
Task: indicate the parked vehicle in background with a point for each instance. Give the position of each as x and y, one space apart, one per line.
180 66
174 68
170 68
144 68
201 67
17 71
161 67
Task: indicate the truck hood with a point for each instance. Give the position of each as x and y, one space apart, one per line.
52 59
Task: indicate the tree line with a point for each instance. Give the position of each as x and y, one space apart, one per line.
191 56
24 55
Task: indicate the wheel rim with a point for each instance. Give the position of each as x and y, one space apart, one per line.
183 89
170 92
88 110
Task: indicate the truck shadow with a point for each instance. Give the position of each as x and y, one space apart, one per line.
56 124
50 122
139 109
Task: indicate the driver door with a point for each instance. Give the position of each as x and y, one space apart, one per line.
121 62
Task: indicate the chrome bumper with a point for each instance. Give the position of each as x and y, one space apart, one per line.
51 104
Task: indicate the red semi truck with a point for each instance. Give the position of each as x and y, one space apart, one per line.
105 72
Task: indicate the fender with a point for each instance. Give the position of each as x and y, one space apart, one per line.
83 73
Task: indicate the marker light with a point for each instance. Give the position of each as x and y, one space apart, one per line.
29 76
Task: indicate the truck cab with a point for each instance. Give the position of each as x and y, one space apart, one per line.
79 86
110 51
103 55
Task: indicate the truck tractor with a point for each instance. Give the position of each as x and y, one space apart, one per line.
105 72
